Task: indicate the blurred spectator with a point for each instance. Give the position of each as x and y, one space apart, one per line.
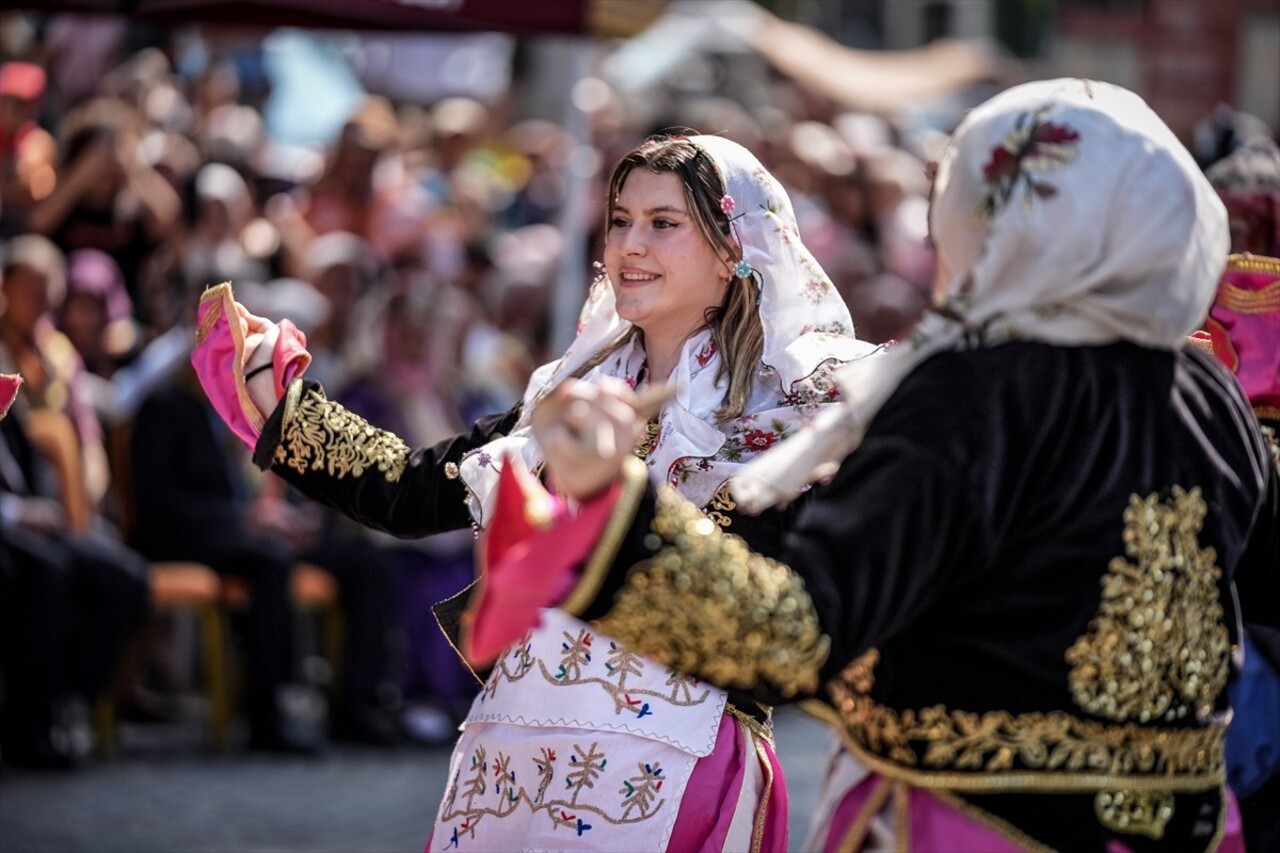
364 191
27 151
193 502
96 314
74 599
215 250
106 197
78 594
1224 130
34 287
1248 181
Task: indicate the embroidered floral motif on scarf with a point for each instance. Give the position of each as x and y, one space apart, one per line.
1035 145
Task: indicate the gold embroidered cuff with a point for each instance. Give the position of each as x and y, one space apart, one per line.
317 434
706 605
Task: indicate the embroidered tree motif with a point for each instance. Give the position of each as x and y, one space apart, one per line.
587 766
576 655
473 788
521 652
546 772
504 775
681 686
639 792
623 662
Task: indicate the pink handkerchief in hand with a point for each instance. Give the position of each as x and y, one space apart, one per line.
219 359
527 560
9 385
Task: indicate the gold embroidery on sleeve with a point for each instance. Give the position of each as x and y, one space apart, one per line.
707 605
1135 812
721 502
1158 648
318 434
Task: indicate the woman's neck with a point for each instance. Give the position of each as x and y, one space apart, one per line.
662 356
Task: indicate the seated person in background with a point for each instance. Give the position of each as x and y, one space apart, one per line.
196 500
72 598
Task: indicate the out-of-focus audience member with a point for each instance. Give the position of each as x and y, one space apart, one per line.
97 314
193 503
106 197
75 593
34 287
364 191
1248 182
28 152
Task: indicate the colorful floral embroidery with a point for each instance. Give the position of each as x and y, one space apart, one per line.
1035 145
639 794
620 664
760 440
726 204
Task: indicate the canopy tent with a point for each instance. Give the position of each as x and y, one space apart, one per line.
606 18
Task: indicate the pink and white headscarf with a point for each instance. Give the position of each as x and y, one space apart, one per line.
1069 213
808 334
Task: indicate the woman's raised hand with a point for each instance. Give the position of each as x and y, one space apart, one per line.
260 336
586 431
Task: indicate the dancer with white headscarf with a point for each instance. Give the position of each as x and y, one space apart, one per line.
576 742
1013 588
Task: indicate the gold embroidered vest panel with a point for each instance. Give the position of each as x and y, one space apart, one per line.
1148 670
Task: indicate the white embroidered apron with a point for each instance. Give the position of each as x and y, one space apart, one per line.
575 743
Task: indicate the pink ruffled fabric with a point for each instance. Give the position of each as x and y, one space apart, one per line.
219 359
527 560
9 385
937 825
1244 324
709 804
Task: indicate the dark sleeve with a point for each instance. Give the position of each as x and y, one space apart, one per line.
854 569
370 475
1257 576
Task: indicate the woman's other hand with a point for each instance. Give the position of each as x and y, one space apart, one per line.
586 431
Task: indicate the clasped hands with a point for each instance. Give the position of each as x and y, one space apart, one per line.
588 429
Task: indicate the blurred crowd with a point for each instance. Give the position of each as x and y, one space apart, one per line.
419 251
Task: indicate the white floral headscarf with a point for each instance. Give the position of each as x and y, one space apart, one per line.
807 335
1068 213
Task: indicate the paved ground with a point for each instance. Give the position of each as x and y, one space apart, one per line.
164 792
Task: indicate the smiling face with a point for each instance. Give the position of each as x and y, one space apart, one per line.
665 273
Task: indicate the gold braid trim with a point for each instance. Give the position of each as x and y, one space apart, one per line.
936 747
1262 301
317 434
705 604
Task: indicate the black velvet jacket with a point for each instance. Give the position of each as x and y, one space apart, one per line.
1017 591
